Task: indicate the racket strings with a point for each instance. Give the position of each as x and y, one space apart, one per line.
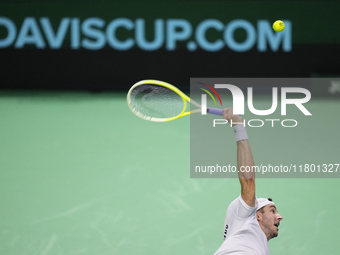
156 101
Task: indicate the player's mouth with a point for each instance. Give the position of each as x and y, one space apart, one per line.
277 225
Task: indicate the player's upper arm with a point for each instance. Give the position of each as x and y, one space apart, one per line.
248 191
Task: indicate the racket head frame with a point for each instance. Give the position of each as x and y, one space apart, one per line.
184 97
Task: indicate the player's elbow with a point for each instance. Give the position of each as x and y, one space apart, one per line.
247 182
250 180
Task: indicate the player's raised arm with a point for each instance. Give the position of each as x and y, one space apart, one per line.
245 160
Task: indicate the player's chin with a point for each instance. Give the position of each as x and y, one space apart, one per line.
275 232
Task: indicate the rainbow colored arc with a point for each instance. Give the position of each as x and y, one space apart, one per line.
208 92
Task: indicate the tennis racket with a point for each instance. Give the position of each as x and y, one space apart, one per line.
160 101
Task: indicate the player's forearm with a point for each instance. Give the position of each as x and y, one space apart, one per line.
245 161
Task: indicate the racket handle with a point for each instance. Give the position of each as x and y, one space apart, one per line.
215 111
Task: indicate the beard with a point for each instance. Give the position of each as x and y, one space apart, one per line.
269 227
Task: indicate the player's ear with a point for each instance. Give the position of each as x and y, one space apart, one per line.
258 215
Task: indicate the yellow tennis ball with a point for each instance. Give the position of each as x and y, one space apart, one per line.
278 26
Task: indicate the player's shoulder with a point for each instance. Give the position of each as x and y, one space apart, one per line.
235 203
239 207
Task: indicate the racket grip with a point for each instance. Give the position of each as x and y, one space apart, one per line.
215 111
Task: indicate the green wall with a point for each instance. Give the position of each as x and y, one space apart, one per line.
80 174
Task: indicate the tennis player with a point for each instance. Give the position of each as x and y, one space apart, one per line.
250 222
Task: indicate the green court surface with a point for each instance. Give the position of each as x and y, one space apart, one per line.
80 174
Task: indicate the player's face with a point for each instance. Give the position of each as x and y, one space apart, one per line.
269 221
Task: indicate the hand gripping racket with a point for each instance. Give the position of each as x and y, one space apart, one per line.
160 101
